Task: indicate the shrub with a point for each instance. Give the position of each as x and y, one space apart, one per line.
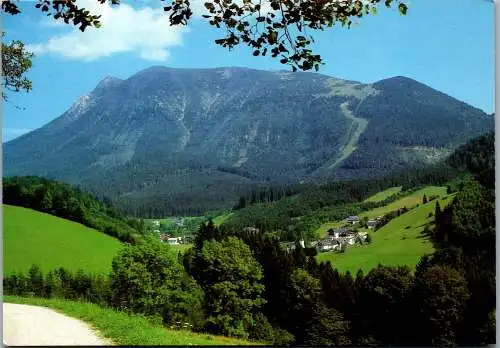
282 337
261 330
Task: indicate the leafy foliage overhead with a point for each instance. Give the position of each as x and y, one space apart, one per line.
280 28
16 61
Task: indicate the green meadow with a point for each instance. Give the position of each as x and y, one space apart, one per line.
380 196
400 242
31 237
407 201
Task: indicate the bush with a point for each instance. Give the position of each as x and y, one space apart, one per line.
282 337
261 330
368 239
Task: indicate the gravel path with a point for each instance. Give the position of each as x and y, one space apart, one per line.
25 325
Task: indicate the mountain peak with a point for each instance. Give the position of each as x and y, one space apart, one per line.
105 83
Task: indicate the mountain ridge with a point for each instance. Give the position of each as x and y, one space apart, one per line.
184 133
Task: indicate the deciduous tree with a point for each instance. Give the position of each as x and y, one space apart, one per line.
280 28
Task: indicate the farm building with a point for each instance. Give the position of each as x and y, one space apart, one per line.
371 223
338 232
174 241
352 219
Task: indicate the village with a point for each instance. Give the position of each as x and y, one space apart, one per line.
338 239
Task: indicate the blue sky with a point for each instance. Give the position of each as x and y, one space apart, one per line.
447 44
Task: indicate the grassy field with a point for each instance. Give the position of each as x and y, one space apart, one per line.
31 237
408 201
124 329
220 219
394 244
380 196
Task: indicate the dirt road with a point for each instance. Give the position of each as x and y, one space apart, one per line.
25 325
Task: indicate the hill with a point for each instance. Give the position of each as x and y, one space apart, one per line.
305 214
380 196
404 199
400 242
31 237
168 141
67 202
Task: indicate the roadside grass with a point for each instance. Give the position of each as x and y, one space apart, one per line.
32 237
380 196
408 201
392 245
124 329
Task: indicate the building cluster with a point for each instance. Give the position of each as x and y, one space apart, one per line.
337 238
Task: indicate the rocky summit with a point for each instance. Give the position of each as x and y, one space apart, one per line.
190 139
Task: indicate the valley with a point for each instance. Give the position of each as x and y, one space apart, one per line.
197 219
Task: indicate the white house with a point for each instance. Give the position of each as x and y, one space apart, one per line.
329 246
174 241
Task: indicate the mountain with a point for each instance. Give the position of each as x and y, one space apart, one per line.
174 140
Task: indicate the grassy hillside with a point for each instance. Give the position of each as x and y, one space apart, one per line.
394 244
220 219
406 201
380 196
125 329
32 237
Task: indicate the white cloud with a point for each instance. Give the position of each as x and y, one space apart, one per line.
145 31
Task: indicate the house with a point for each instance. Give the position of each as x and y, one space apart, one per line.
329 247
164 237
338 232
174 241
349 240
372 223
352 219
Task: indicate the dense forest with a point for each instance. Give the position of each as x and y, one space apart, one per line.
242 283
68 202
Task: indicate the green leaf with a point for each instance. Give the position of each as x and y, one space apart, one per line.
403 9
